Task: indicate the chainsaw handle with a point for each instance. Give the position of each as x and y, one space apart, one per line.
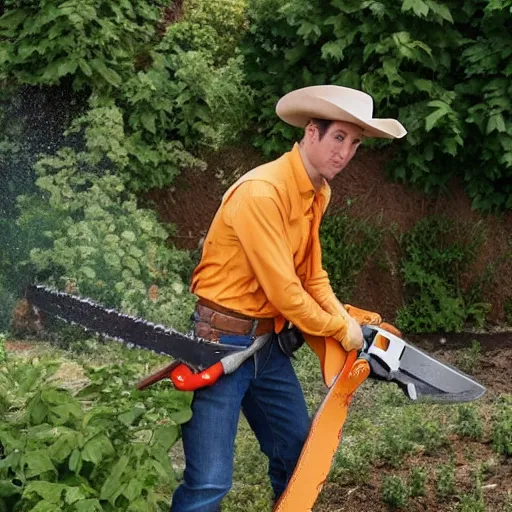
185 380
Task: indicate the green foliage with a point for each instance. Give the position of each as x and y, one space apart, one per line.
394 491
394 444
502 428
162 95
430 434
443 70
3 354
92 42
103 450
445 484
213 26
417 481
469 359
473 501
469 423
353 464
348 244
103 246
436 253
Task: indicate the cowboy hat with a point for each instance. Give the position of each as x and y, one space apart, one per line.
336 103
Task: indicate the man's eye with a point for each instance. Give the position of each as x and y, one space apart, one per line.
340 138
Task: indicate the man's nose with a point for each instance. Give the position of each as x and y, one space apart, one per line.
345 151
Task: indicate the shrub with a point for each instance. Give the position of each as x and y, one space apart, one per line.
394 491
436 253
469 359
445 484
502 427
469 423
417 481
105 247
104 449
347 245
442 70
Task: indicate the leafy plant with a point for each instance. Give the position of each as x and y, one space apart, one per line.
347 245
445 484
442 70
502 428
394 444
436 253
3 354
469 359
394 491
417 481
469 423
105 247
103 450
429 434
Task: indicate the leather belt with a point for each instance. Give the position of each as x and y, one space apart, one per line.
212 321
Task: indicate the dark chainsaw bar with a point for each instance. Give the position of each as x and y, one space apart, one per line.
133 331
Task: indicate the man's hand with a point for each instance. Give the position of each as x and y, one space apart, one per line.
354 338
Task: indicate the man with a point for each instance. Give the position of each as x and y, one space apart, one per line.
260 268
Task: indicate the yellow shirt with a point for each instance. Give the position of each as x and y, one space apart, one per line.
262 257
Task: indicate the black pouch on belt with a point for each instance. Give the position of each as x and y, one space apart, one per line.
290 339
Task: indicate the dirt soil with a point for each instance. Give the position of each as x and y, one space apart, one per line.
190 203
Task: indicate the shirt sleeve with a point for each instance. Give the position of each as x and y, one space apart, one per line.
258 220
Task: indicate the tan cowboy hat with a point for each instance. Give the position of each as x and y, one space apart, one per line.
336 103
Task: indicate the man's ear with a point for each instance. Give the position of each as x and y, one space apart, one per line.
311 132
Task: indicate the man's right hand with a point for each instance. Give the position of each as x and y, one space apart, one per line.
354 337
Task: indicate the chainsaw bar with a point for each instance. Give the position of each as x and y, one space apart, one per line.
134 332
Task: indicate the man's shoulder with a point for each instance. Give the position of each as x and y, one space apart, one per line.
271 177
277 172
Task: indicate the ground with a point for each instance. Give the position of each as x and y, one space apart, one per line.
377 437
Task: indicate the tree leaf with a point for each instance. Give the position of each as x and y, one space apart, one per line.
496 122
432 119
108 74
68 67
147 119
419 7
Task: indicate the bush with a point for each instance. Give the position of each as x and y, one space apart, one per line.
348 244
445 484
436 254
442 70
417 481
395 492
104 247
502 427
104 449
469 423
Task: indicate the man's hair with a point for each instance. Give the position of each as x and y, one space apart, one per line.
322 125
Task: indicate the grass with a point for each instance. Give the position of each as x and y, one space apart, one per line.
395 453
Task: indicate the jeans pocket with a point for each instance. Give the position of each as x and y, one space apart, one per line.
239 340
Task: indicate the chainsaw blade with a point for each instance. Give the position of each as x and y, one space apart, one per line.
132 331
417 373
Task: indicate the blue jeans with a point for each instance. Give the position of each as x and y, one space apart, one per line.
266 389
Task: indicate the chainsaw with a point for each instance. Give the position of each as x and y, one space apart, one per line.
199 363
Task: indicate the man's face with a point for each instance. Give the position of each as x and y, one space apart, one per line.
330 154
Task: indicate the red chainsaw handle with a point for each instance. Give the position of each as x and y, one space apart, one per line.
185 379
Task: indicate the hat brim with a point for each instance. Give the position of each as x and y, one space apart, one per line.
299 111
